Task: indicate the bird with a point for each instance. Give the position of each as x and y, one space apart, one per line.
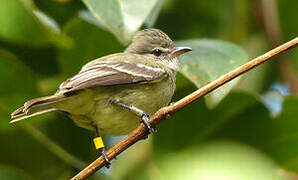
112 94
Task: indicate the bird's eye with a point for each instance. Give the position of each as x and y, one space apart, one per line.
157 52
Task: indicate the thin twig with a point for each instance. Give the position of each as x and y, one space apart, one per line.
164 113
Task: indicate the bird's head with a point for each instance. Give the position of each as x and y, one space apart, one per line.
157 44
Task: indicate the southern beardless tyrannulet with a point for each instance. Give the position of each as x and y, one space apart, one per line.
110 94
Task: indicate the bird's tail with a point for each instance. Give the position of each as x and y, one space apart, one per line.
37 106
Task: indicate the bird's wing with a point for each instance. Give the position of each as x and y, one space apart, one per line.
112 73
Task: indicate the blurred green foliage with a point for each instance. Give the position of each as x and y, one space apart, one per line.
232 133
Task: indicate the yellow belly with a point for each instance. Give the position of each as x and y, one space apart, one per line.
114 120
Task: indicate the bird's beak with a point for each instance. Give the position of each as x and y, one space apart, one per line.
180 50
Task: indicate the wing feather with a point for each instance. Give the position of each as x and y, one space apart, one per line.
110 74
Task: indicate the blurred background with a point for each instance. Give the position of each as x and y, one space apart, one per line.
247 129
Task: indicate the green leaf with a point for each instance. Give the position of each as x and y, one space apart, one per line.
283 143
12 70
217 160
122 18
259 79
87 16
18 24
197 116
22 23
209 60
90 43
289 27
17 85
275 136
61 11
151 19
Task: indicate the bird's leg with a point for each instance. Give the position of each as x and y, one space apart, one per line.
144 116
98 142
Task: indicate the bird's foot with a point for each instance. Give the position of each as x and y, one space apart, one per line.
98 142
145 120
107 161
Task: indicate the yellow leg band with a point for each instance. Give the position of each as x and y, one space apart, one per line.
98 142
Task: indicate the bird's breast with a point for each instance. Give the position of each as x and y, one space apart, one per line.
115 120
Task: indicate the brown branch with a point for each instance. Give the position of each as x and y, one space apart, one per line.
140 132
271 22
272 31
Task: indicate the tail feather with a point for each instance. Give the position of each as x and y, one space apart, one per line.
18 111
36 106
23 115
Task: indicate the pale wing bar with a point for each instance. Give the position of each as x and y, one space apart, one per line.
109 74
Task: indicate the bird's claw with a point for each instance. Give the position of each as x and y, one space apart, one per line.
107 162
145 120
